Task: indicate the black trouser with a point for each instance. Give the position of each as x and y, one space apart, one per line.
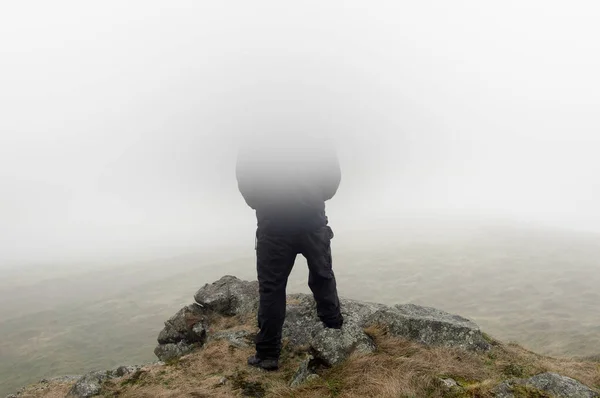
275 258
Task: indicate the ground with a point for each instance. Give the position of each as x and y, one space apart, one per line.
399 368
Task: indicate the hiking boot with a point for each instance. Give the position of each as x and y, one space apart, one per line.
337 324
264 363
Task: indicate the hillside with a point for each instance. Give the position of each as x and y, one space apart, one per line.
382 351
535 287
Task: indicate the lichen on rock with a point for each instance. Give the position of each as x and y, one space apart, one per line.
183 332
230 296
554 385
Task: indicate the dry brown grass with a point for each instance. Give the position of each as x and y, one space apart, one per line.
199 374
238 322
402 368
398 368
47 390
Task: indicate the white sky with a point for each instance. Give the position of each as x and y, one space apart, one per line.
118 120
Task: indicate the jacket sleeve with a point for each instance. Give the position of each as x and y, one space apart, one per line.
245 175
331 175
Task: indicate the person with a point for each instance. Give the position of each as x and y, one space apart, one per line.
287 180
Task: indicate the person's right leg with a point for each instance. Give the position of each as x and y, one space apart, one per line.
316 247
275 258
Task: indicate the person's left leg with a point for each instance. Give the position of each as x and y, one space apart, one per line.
275 255
316 248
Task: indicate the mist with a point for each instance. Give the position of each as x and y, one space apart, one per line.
120 121
467 134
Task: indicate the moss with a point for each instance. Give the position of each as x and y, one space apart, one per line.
247 388
437 386
136 378
513 370
457 393
335 386
173 362
529 392
489 339
461 381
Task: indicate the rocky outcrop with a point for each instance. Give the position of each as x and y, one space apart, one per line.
230 296
430 326
552 384
426 325
90 384
172 351
183 332
187 329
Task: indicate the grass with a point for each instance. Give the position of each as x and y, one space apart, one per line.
398 368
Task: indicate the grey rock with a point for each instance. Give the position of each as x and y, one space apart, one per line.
449 383
430 326
302 324
333 346
552 383
236 338
359 312
229 296
303 373
301 321
183 332
89 385
188 328
303 328
124 370
198 332
188 324
170 351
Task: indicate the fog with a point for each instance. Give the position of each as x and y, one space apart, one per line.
120 121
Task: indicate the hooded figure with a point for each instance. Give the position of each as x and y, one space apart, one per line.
287 180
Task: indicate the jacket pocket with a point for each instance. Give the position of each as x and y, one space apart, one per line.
330 233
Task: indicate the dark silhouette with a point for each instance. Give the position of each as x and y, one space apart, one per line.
287 181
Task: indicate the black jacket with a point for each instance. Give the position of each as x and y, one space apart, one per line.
287 181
